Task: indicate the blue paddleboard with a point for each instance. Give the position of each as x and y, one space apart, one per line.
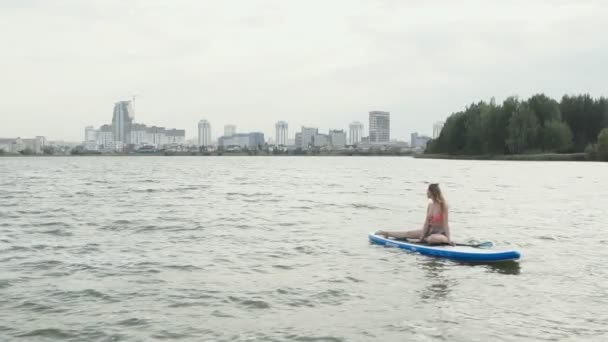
459 253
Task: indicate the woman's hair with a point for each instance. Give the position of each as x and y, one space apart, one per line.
437 197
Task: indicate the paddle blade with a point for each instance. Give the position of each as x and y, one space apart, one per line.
485 244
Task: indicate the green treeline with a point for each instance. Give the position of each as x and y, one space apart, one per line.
537 125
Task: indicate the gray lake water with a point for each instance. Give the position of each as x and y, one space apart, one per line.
276 249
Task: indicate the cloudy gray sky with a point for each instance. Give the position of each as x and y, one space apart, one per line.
64 63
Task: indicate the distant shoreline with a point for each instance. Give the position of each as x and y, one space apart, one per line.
577 157
194 154
511 157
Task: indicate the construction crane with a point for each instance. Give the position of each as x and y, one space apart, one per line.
133 99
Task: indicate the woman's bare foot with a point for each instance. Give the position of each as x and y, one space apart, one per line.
381 233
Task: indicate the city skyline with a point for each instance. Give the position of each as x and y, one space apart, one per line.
413 59
123 111
125 131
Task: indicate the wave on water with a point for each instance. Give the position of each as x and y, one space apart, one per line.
254 194
90 293
30 212
366 206
42 265
39 308
314 338
49 224
188 268
57 232
51 333
250 303
133 322
221 314
5 283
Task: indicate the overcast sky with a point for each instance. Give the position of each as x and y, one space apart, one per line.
324 64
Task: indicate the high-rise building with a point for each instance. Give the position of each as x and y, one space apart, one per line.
256 140
90 139
379 127
175 136
122 121
204 133
156 135
419 141
308 134
437 127
337 138
320 140
281 133
139 134
90 134
229 130
39 143
252 140
297 141
355 133
105 137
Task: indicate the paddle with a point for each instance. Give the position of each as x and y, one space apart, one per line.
485 244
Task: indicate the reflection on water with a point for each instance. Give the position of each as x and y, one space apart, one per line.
439 285
507 267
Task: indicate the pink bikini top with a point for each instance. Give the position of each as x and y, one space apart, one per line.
438 218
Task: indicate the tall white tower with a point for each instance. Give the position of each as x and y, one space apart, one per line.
282 131
379 127
355 133
204 133
90 134
122 121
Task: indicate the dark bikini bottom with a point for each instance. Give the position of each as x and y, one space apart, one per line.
440 233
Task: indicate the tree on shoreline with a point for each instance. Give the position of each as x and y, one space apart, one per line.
48 150
602 144
27 152
556 137
539 124
522 130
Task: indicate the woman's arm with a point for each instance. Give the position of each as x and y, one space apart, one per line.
425 226
447 227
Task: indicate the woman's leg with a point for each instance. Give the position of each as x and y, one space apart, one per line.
437 239
412 234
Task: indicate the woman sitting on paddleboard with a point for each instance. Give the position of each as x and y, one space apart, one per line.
436 230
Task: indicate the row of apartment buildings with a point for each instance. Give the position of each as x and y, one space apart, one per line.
19 145
379 133
139 135
230 139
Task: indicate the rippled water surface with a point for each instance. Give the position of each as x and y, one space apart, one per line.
238 248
